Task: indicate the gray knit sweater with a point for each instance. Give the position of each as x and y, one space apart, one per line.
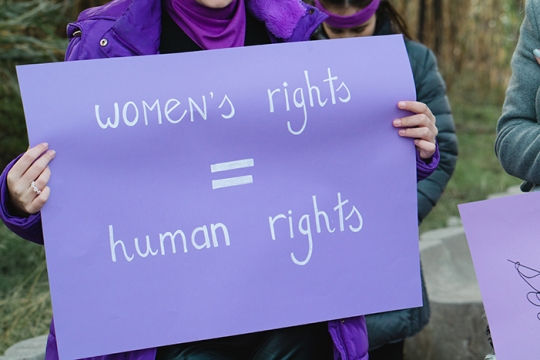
518 131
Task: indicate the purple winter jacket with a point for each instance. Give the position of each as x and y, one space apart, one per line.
132 27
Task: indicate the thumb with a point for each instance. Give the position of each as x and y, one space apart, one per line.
536 53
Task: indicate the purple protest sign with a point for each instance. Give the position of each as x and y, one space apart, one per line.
239 190
503 238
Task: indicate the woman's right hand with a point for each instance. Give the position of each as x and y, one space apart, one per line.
27 180
536 53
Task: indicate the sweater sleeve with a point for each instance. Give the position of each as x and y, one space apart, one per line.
431 90
517 144
423 169
28 228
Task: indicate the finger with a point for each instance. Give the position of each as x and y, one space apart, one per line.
27 160
426 148
421 133
37 204
35 170
536 53
414 120
417 107
418 120
43 179
37 193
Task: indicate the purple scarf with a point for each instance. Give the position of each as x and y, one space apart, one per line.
345 22
207 27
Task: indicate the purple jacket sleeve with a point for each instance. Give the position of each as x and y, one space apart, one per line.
350 338
423 170
28 228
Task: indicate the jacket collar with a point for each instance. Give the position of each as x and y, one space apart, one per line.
281 16
137 23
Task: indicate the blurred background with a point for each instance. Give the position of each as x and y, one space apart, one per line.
473 40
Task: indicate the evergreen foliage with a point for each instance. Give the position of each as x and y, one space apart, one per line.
30 32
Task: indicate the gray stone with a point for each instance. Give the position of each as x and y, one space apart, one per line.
453 221
456 330
30 349
448 267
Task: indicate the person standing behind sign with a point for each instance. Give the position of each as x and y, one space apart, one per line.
129 28
517 144
353 18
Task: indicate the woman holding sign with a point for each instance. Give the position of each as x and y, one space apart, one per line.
353 18
130 28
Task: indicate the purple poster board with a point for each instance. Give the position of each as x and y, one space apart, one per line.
213 193
503 238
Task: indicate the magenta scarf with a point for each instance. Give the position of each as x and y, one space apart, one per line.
345 22
207 27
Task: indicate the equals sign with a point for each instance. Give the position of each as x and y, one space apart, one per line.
232 181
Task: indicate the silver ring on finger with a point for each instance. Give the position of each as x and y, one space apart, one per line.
35 188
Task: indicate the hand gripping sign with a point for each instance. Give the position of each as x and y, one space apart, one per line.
207 194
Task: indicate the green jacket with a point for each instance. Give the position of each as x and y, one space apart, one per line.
431 90
395 326
518 132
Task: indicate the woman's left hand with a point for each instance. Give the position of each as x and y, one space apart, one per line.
420 126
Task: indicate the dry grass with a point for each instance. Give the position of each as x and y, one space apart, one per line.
25 309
